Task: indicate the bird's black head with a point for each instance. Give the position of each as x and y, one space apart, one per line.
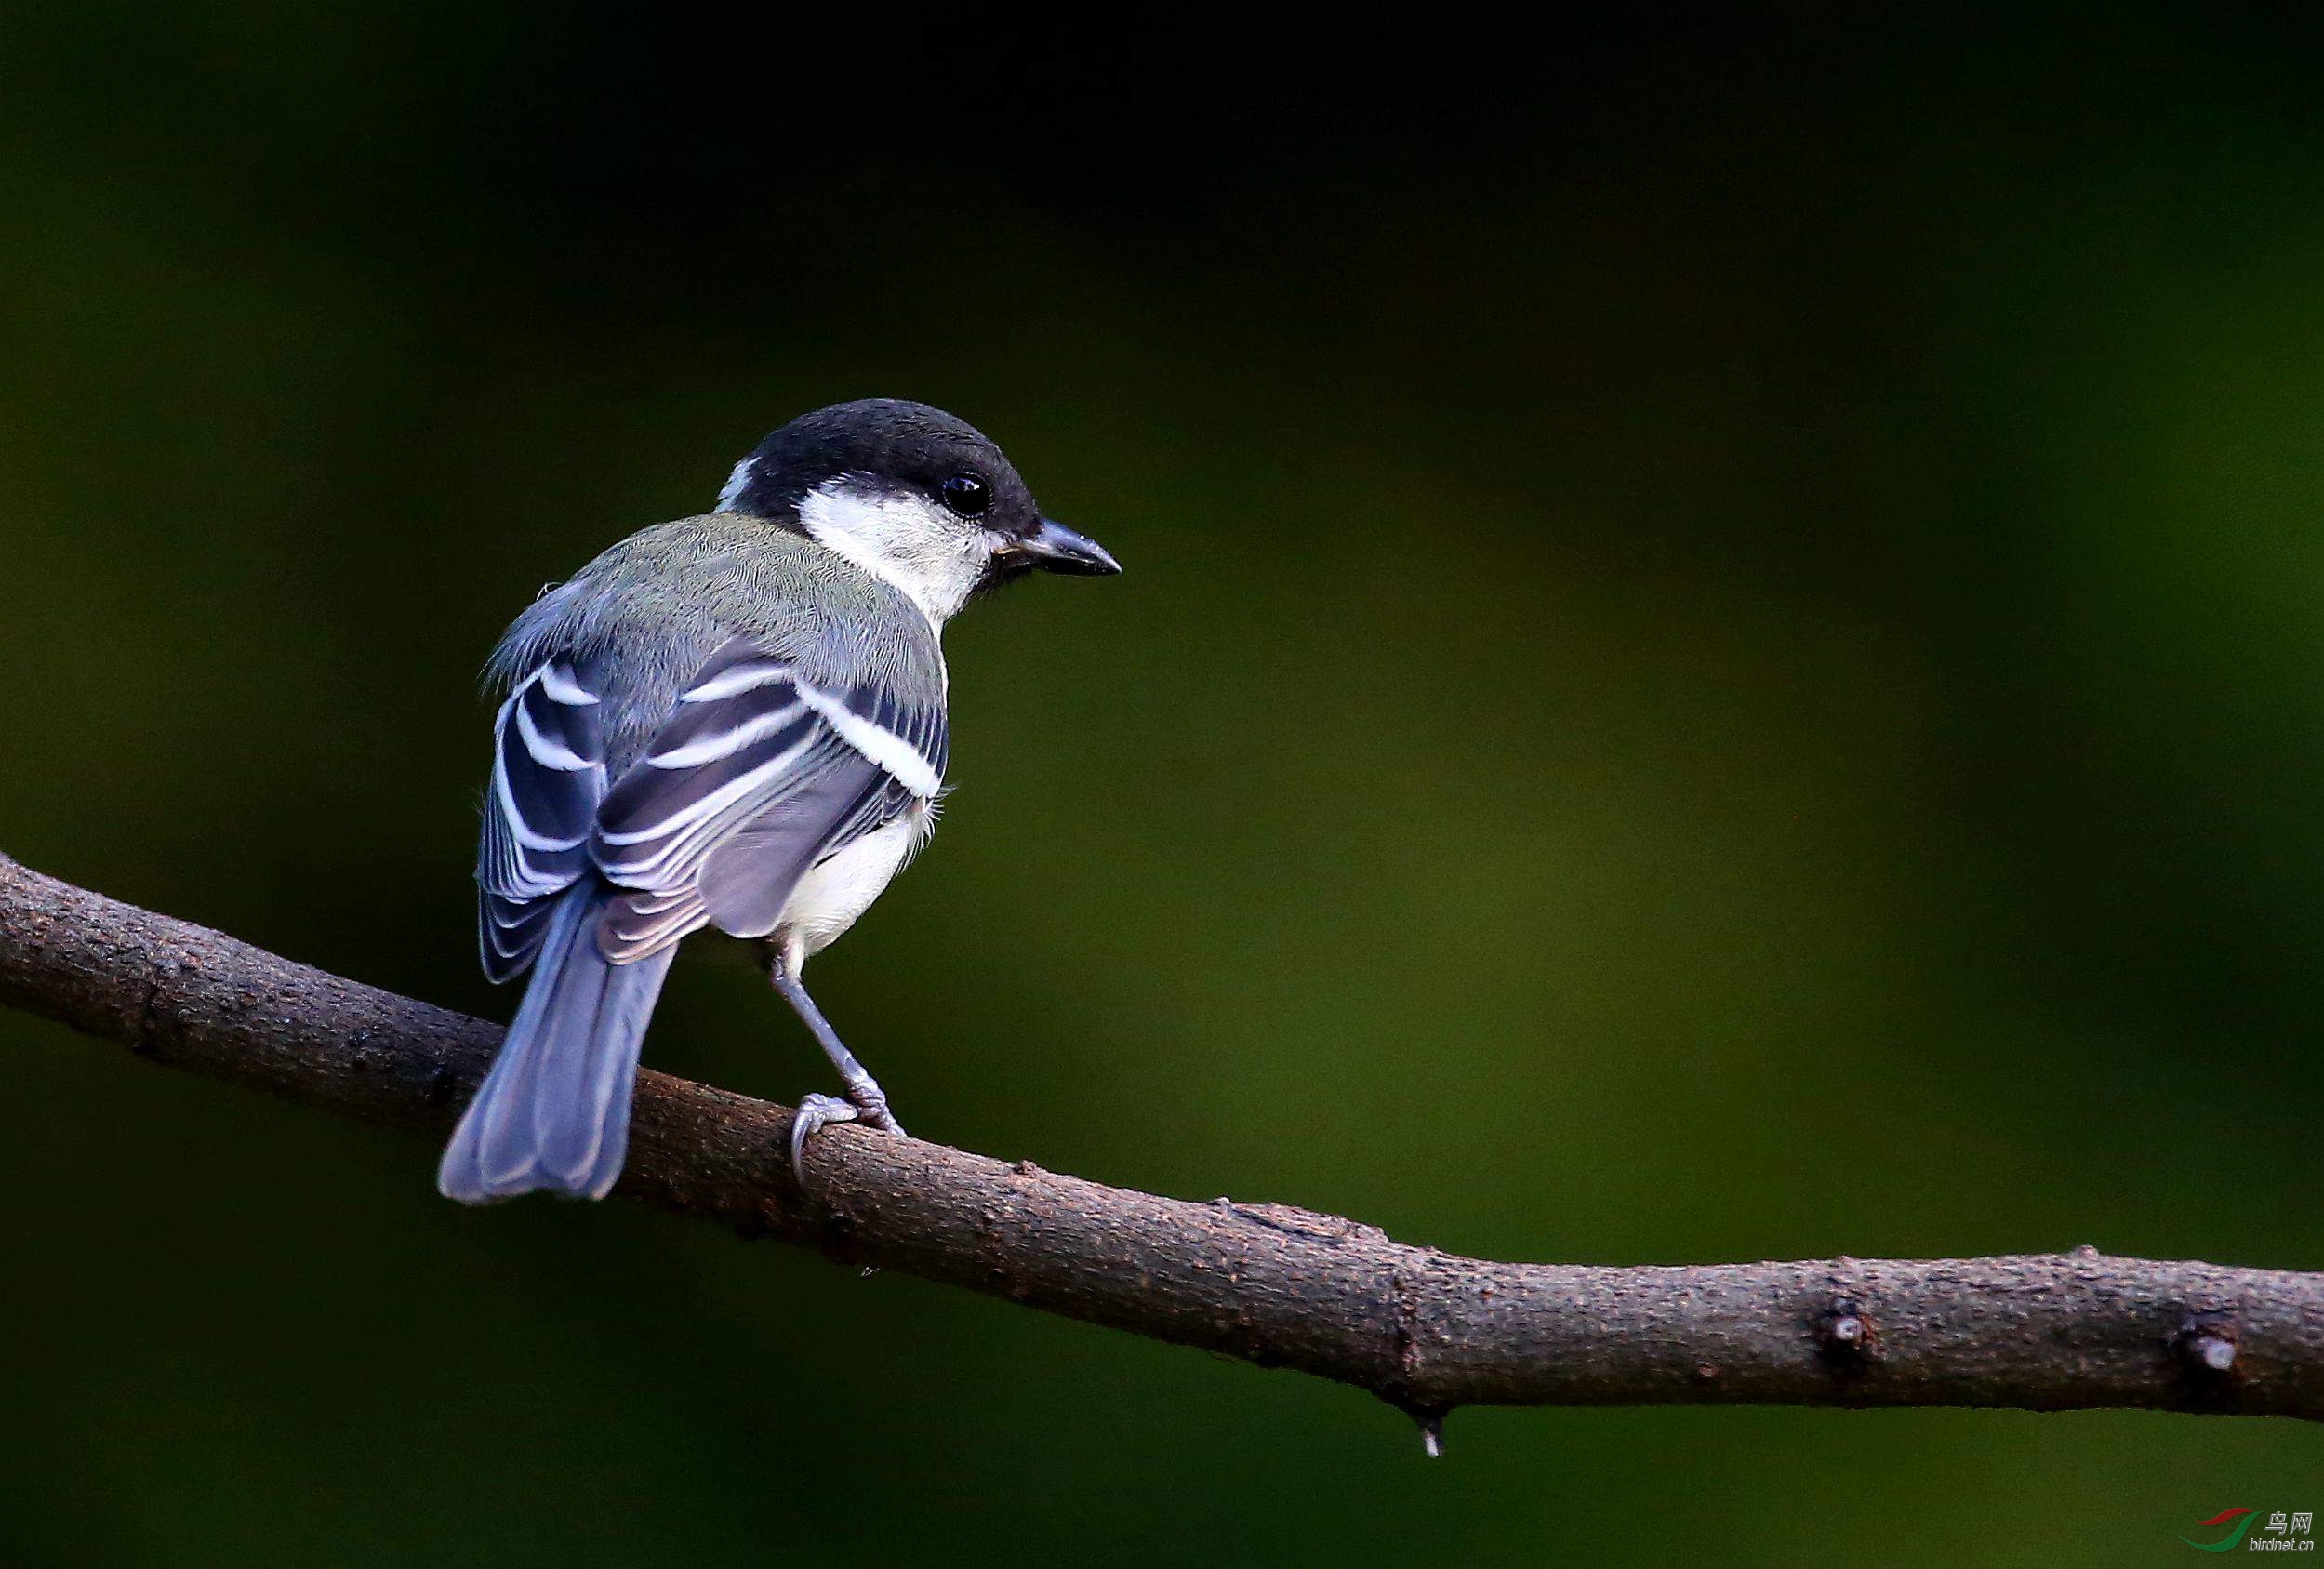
910 493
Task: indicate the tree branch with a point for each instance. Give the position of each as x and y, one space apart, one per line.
1426 1331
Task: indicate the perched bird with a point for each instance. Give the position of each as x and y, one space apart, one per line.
736 720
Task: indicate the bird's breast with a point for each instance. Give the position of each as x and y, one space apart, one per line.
843 885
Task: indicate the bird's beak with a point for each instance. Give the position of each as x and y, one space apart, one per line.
1055 548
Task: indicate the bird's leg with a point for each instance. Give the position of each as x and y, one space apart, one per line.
866 1101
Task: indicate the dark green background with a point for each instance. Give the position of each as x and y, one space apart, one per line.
1720 659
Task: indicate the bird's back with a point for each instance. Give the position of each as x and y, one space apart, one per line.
672 594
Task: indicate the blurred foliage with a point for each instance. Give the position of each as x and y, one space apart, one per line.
1720 659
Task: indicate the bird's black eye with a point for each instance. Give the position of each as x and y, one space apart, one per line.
966 495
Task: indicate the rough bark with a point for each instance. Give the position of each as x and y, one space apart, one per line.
1424 1330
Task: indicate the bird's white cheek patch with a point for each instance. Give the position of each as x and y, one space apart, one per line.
935 559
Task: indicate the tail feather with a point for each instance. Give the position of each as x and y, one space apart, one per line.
554 1112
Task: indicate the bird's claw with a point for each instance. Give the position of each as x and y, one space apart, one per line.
818 1111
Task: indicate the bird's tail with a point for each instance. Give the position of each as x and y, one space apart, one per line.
554 1112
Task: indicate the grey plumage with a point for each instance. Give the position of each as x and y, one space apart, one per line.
670 596
548 777
554 1112
566 874
734 721
747 783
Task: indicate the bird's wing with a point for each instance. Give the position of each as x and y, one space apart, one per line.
548 777
759 772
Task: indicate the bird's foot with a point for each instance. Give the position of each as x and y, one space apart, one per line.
865 1103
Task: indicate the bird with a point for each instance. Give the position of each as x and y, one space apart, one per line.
735 722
